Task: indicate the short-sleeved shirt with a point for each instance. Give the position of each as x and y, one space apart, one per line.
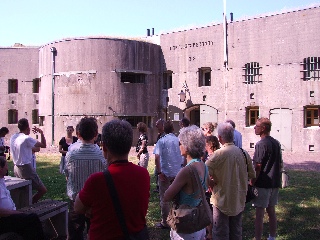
132 184
168 149
142 137
268 154
237 138
80 164
6 201
21 148
65 145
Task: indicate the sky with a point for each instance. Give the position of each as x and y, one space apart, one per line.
37 22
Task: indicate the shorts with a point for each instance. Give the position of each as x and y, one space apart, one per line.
267 197
29 173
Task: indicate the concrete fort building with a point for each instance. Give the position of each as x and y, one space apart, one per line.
264 66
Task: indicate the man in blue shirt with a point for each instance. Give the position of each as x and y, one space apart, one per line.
168 164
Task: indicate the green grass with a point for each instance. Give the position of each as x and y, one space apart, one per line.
298 210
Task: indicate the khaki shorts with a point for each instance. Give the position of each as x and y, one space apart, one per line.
267 197
29 173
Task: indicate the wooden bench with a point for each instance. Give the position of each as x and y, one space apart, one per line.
54 217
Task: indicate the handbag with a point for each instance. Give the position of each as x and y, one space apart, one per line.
252 191
285 179
141 235
186 219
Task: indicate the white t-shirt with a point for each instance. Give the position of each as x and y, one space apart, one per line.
21 148
5 197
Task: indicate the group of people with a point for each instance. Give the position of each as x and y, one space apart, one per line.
214 151
225 170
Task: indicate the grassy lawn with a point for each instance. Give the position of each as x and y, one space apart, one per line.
298 210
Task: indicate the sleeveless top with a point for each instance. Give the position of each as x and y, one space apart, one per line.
189 199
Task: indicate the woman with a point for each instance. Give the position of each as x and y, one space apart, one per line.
3 132
208 128
64 143
142 144
212 144
192 146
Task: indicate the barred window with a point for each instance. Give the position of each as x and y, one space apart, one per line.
311 116
252 115
252 73
204 76
311 68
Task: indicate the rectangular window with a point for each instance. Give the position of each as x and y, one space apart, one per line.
252 73
127 77
35 85
12 86
204 76
311 116
167 80
311 68
12 116
252 114
35 116
134 120
41 121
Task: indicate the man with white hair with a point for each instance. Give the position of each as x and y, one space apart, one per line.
229 167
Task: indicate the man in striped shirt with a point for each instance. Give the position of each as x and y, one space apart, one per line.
80 164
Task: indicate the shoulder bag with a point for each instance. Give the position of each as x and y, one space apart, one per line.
186 219
143 234
252 192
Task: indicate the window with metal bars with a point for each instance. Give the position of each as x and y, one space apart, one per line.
311 68
252 73
252 115
311 116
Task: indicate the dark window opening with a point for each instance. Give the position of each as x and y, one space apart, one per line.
134 120
35 116
204 76
132 77
12 116
167 80
35 85
12 86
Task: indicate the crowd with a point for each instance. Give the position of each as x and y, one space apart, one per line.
109 195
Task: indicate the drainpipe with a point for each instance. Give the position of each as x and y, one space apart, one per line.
54 51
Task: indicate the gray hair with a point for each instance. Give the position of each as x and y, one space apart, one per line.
193 139
225 131
117 136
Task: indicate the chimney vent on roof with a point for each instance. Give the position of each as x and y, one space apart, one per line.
231 17
148 32
152 31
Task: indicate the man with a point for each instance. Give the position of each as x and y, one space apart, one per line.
161 133
237 137
21 145
132 184
184 122
168 164
80 164
229 170
26 225
268 163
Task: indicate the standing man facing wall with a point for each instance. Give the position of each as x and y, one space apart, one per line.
230 170
21 145
267 160
168 164
237 137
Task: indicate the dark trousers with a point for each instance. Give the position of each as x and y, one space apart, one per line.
26 225
76 223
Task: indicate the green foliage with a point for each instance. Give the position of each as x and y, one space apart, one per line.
298 210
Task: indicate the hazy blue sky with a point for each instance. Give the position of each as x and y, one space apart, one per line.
37 22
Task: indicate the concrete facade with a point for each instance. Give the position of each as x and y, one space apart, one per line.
87 75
